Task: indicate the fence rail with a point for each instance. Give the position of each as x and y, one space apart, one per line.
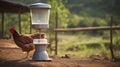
110 28
86 29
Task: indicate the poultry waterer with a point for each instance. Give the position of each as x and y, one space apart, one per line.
40 50
40 21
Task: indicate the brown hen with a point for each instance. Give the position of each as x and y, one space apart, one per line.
25 42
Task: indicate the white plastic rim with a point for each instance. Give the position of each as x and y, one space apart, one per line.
40 41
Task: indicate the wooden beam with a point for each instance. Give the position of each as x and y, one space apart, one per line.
19 22
86 29
2 24
30 24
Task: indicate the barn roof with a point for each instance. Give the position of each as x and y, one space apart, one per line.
12 7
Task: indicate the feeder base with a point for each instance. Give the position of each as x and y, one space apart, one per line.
41 56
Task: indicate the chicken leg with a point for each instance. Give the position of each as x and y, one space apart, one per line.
27 55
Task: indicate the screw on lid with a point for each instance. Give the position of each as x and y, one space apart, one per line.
40 5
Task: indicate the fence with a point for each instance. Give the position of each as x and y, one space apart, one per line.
110 28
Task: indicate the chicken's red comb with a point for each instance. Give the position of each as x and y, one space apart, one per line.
12 27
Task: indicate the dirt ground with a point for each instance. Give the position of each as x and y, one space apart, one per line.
12 56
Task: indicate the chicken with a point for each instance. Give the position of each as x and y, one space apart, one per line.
25 42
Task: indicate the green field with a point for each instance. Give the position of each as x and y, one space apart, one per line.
83 45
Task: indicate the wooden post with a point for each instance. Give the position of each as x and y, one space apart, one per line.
56 38
2 24
111 39
19 18
30 24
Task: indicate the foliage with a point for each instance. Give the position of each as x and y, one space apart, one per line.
73 14
63 13
117 41
111 6
83 46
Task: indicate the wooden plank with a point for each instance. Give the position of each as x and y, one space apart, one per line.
86 29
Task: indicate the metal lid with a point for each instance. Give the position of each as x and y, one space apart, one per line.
40 5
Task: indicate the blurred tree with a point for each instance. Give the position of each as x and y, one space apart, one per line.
63 13
71 13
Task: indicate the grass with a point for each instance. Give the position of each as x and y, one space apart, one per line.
84 46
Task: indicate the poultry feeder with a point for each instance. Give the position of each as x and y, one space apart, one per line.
40 21
40 52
